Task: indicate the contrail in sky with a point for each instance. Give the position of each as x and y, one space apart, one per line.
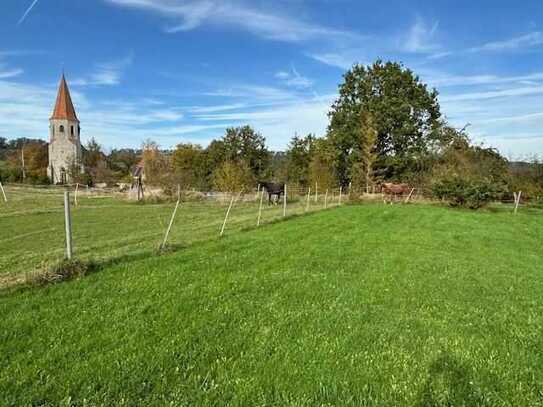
27 11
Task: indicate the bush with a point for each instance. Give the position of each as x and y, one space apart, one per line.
232 176
473 193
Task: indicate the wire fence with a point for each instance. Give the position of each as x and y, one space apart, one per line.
109 227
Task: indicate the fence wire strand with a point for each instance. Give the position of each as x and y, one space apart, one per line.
106 225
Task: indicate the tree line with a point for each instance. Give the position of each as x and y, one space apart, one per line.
385 125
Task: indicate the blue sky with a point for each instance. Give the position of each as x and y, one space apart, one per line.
178 70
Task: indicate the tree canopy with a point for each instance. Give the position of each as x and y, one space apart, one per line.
405 112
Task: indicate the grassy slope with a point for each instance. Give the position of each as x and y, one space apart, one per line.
394 305
32 227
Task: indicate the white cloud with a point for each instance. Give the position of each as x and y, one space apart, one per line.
504 93
279 122
256 93
21 52
531 117
498 119
335 59
528 40
420 38
294 79
284 75
25 111
105 74
446 80
6 71
440 55
244 15
9 73
218 108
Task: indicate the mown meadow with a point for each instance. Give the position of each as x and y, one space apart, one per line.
357 305
109 228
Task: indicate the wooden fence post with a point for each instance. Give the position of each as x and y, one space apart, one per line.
3 192
326 199
227 213
340 192
23 162
409 196
171 221
517 201
68 225
76 191
308 196
316 192
260 208
285 202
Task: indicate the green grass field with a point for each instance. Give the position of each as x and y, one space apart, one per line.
106 228
358 305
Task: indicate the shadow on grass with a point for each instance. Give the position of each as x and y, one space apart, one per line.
449 383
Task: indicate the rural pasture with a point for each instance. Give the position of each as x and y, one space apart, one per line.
358 305
108 228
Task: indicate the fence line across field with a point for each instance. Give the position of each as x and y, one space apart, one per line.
238 216
206 217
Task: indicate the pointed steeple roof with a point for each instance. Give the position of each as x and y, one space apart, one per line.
64 108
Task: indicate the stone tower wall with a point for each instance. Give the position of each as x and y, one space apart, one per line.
64 149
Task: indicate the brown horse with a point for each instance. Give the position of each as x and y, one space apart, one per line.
394 191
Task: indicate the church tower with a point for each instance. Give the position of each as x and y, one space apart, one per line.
64 141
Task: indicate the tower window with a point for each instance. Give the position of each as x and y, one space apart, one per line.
61 128
72 130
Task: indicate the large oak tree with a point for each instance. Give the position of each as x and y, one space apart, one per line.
406 115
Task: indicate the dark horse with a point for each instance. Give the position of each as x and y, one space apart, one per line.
273 190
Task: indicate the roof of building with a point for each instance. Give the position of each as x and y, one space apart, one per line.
64 108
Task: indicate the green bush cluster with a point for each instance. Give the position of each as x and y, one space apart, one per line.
469 192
